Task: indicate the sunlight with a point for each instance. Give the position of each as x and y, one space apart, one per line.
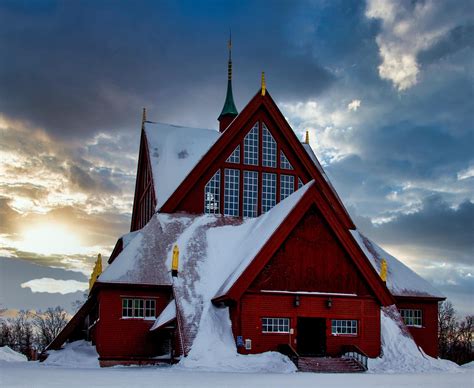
50 238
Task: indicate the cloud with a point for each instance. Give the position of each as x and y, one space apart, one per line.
354 105
53 286
409 28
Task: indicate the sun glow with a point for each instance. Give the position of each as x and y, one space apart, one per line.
49 239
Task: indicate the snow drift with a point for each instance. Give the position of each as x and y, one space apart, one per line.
78 354
9 355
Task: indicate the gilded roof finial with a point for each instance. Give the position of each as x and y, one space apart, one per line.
143 118
306 139
264 88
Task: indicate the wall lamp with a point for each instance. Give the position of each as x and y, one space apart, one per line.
297 301
329 303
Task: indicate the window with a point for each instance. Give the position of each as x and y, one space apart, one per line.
268 191
150 310
342 326
275 325
251 146
284 163
127 308
250 193
411 317
300 183
287 186
269 148
212 194
231 192
138 308
234 156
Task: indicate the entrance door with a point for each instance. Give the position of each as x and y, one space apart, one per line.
311 339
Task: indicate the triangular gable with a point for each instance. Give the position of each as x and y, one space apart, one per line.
240 280
266 104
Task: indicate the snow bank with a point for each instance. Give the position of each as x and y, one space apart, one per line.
400 354
214 349
78 354
9 355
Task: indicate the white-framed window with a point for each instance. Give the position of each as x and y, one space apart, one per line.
344 326
212 192
234 156
300 183
250 193
284 163
412 317
231 191
150 308
275 325
268 191
287 186
127 308
138 308
269 148
251 147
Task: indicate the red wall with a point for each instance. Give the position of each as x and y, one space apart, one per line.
427 336
128 338
255 306
311 259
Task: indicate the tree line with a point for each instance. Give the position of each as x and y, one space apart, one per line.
29 333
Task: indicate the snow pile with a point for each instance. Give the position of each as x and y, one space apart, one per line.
166 316
469 365
9 355
214 349
78 354
400 354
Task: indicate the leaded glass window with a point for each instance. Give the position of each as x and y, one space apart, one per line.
234 156
250 193
269 148
268 191
231 192
343 326
287 186
212 192
251 146
284 163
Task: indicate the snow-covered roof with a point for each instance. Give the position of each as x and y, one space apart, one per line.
401 280
174 151
166 316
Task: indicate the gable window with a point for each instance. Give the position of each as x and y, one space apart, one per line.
251 146
344 326
234 156
231 192
268 191
212 194
269 148
412 317
250 193
284 163
275 325
287 186
138 308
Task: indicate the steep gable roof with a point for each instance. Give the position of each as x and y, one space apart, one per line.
267 104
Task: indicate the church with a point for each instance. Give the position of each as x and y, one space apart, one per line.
239 232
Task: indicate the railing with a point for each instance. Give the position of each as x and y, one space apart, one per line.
289 351
355 353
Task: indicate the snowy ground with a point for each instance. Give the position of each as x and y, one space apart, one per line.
33 374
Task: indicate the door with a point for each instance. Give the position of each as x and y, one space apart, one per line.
311 336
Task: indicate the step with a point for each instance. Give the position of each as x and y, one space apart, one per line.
329 365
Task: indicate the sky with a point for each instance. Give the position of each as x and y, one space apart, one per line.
384 87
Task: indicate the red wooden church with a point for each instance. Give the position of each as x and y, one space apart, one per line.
258 238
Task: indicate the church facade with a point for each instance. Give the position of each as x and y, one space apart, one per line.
244 222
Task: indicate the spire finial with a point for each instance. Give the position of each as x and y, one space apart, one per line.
264 88
306 139
143 118
229 64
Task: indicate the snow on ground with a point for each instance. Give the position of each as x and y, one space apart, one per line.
34 374
78 354
9 355
400 353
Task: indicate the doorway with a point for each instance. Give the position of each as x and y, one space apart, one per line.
311 337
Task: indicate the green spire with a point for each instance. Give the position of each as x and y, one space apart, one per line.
229 105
